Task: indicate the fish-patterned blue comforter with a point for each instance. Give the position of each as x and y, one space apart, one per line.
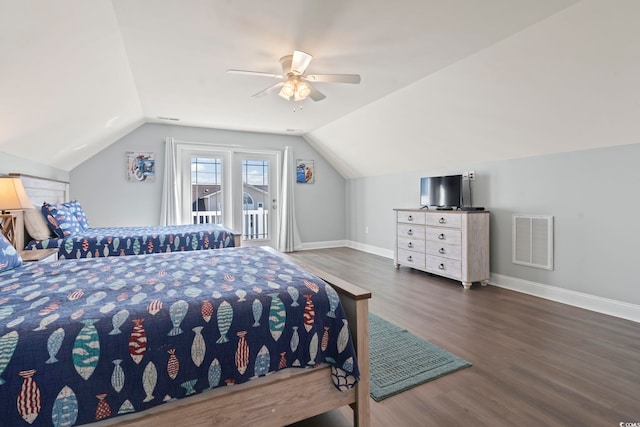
118 241
89 339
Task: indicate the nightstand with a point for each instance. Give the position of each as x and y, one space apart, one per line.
46 255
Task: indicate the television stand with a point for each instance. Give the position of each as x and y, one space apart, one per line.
453 244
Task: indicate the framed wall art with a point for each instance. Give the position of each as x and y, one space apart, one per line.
305 172
141 166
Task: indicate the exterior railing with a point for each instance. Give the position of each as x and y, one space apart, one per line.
206 217
255 223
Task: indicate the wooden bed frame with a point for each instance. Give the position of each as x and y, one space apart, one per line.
49 190
278 399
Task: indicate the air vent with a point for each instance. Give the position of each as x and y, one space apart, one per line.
172 119
533 241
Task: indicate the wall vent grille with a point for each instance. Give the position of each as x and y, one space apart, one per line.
533 241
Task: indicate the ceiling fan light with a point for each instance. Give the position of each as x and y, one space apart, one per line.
284 95
289 89
302 91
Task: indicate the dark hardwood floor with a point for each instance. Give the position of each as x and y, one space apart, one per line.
535 362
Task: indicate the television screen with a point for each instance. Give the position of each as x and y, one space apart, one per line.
441 191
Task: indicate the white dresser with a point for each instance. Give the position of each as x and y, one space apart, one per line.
453 244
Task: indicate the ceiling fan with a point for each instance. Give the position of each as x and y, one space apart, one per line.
294 82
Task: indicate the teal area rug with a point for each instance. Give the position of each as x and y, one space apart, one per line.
401 360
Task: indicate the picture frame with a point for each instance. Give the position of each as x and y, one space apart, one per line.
305 171
141 166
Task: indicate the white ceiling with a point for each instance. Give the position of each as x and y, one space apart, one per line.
472 80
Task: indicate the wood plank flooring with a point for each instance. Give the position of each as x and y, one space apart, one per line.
535 362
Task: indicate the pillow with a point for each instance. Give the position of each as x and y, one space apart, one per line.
77 211
61 220
9 257
36 224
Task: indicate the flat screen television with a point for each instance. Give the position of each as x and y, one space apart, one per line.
441 191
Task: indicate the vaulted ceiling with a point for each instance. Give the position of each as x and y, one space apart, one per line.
443 82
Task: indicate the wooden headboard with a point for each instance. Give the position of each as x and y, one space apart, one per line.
39 190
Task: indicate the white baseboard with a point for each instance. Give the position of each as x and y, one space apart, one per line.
387 253
349 244
598 304
322 245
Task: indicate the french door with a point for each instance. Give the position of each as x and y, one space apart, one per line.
235 188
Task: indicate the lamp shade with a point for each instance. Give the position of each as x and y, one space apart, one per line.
302 91
12 195
288 89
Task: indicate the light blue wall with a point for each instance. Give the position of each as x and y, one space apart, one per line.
593 196
110 200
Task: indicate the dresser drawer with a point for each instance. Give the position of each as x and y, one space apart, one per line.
444 266
435 219
443 250
411 259
444 235
411 217
411 231
415 245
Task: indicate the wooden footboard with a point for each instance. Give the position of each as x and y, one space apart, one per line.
237 239
355 302
279 399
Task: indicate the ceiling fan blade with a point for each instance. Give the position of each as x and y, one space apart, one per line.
268 90
255 73
300 62
333 78
316 95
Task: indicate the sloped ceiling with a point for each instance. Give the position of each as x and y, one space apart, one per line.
443 82
66 87
567 83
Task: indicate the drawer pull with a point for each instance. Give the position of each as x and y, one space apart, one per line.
441 266
410 244
441 236
441 250
410 218
442 220
410 232
410 258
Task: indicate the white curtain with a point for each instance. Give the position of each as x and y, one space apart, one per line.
288 237
170 211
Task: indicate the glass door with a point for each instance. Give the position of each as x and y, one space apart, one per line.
257 197
236 188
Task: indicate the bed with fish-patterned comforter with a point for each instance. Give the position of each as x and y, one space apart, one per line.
119 241
89 339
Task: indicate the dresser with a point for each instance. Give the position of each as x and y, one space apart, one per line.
453 244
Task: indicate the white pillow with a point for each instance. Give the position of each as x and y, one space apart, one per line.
36 224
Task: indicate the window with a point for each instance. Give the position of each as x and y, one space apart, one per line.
206 190
255 182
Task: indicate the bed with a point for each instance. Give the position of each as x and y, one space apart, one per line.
67 229
175 336
121 241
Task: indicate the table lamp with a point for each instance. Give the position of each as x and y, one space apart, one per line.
12 197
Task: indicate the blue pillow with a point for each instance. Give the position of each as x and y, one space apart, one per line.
9 257
61 220
77 211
